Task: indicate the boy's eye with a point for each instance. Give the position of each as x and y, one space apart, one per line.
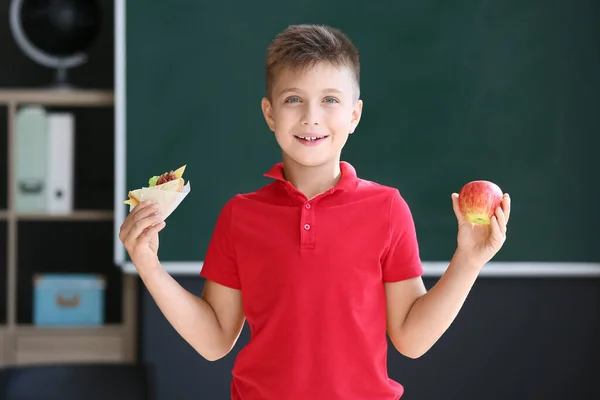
292 99
331 100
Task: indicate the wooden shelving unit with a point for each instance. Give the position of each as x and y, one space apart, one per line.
80 215
51 97
23 343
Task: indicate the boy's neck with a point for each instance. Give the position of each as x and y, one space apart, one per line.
312 181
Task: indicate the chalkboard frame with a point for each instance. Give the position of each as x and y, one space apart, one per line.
431 269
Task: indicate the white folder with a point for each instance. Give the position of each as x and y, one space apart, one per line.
60 156
30 159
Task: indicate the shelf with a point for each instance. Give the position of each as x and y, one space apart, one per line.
32 330
78 215
4 232
58 97
36 345
78 241
3 346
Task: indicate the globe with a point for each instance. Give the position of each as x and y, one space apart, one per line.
55 33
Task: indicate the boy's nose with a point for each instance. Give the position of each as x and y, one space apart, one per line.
310 116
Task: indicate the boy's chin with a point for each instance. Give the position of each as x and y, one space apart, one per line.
311 162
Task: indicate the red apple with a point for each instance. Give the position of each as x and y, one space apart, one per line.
478 201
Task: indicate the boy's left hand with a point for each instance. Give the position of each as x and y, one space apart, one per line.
480 243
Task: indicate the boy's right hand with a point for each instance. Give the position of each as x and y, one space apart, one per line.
139 232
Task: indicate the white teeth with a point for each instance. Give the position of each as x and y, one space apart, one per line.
311 138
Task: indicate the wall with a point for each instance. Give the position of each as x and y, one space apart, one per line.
522 338
514 339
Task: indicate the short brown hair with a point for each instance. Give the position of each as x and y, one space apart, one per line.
302 46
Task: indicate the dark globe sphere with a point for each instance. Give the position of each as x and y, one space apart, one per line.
61 27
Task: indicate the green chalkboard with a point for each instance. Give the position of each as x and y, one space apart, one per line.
454 91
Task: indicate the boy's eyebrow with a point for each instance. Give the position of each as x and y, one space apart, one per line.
295 89
292 89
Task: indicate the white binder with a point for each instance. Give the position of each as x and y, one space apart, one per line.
30 159
60 161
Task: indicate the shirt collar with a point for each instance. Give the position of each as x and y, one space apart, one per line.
348 180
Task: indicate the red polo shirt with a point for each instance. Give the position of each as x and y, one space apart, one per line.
312 276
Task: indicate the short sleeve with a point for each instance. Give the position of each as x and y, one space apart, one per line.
220 264
401 259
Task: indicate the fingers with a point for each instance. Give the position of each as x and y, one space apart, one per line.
143 210
141 217
148 232
459 217
139 226
496 231
506 206
501 220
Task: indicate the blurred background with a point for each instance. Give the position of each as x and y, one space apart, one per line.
96 96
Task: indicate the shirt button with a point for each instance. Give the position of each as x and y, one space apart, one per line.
307 205
306 226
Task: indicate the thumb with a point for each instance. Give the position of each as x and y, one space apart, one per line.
459 216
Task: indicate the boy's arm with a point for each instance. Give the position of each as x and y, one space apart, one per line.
211 324
417 319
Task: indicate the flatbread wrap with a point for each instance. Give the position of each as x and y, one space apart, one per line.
167 190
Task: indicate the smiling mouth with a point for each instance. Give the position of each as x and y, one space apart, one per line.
310 138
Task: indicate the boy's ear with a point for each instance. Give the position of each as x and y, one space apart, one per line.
267 110
356 114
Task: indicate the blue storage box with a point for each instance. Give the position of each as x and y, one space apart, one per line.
68 299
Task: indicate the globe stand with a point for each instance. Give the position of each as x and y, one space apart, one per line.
60 79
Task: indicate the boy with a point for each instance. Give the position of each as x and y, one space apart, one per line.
321 263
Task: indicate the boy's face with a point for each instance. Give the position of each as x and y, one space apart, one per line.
312 112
